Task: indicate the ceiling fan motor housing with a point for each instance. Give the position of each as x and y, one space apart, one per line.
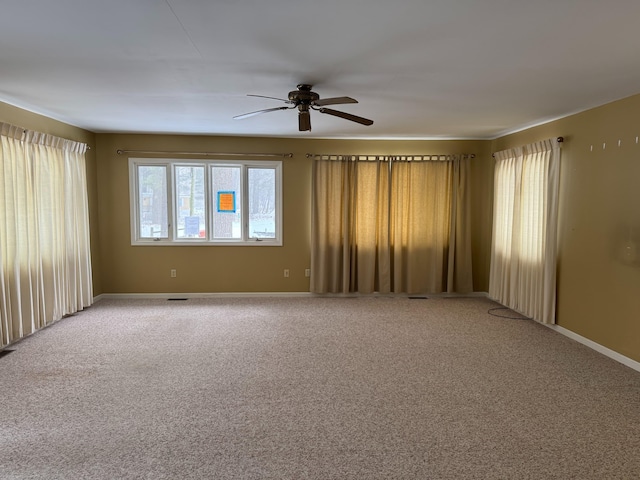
303 96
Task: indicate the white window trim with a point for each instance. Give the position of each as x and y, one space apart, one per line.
172 239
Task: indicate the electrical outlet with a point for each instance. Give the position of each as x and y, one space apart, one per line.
174 274
307 272
286 273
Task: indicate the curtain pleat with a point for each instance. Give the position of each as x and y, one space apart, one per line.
460 279
390 226
525 219
44 239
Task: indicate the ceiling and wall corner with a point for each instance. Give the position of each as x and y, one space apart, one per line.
420 70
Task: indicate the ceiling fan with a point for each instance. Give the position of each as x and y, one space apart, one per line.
305 100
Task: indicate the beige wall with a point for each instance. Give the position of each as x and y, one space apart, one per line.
39 123
598 292
119 267
144 269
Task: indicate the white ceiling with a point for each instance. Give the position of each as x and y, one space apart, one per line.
419 68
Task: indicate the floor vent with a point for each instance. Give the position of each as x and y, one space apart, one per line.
177 299
5 352
418 298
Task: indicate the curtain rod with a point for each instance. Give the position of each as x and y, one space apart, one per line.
559 140
224 154
405 158
5 127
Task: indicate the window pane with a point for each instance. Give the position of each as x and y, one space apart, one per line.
262 202
190 205
152 201
227 208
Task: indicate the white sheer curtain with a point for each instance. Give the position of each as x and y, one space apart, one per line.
387 224
44 231
525 225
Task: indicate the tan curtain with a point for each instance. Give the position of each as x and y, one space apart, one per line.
390 225
44 231
525 222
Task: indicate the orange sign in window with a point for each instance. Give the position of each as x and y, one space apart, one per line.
227 202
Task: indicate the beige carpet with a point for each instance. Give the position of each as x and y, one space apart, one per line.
317 388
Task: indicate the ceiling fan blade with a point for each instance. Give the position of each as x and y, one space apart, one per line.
251 114
334 101
346 116
304 121
272 98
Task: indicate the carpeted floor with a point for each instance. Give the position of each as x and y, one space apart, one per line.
317 388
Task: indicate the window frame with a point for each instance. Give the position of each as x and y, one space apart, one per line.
172 197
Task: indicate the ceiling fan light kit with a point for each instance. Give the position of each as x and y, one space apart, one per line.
306 100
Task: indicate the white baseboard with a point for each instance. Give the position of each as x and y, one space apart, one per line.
199 295
597 347
278 294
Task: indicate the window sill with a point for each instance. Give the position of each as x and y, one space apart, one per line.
205 243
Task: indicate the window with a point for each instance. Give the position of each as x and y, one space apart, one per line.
189 202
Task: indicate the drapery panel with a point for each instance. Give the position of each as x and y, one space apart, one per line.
525 224
44 231
389 225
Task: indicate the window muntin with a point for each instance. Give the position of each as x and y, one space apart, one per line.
207 202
